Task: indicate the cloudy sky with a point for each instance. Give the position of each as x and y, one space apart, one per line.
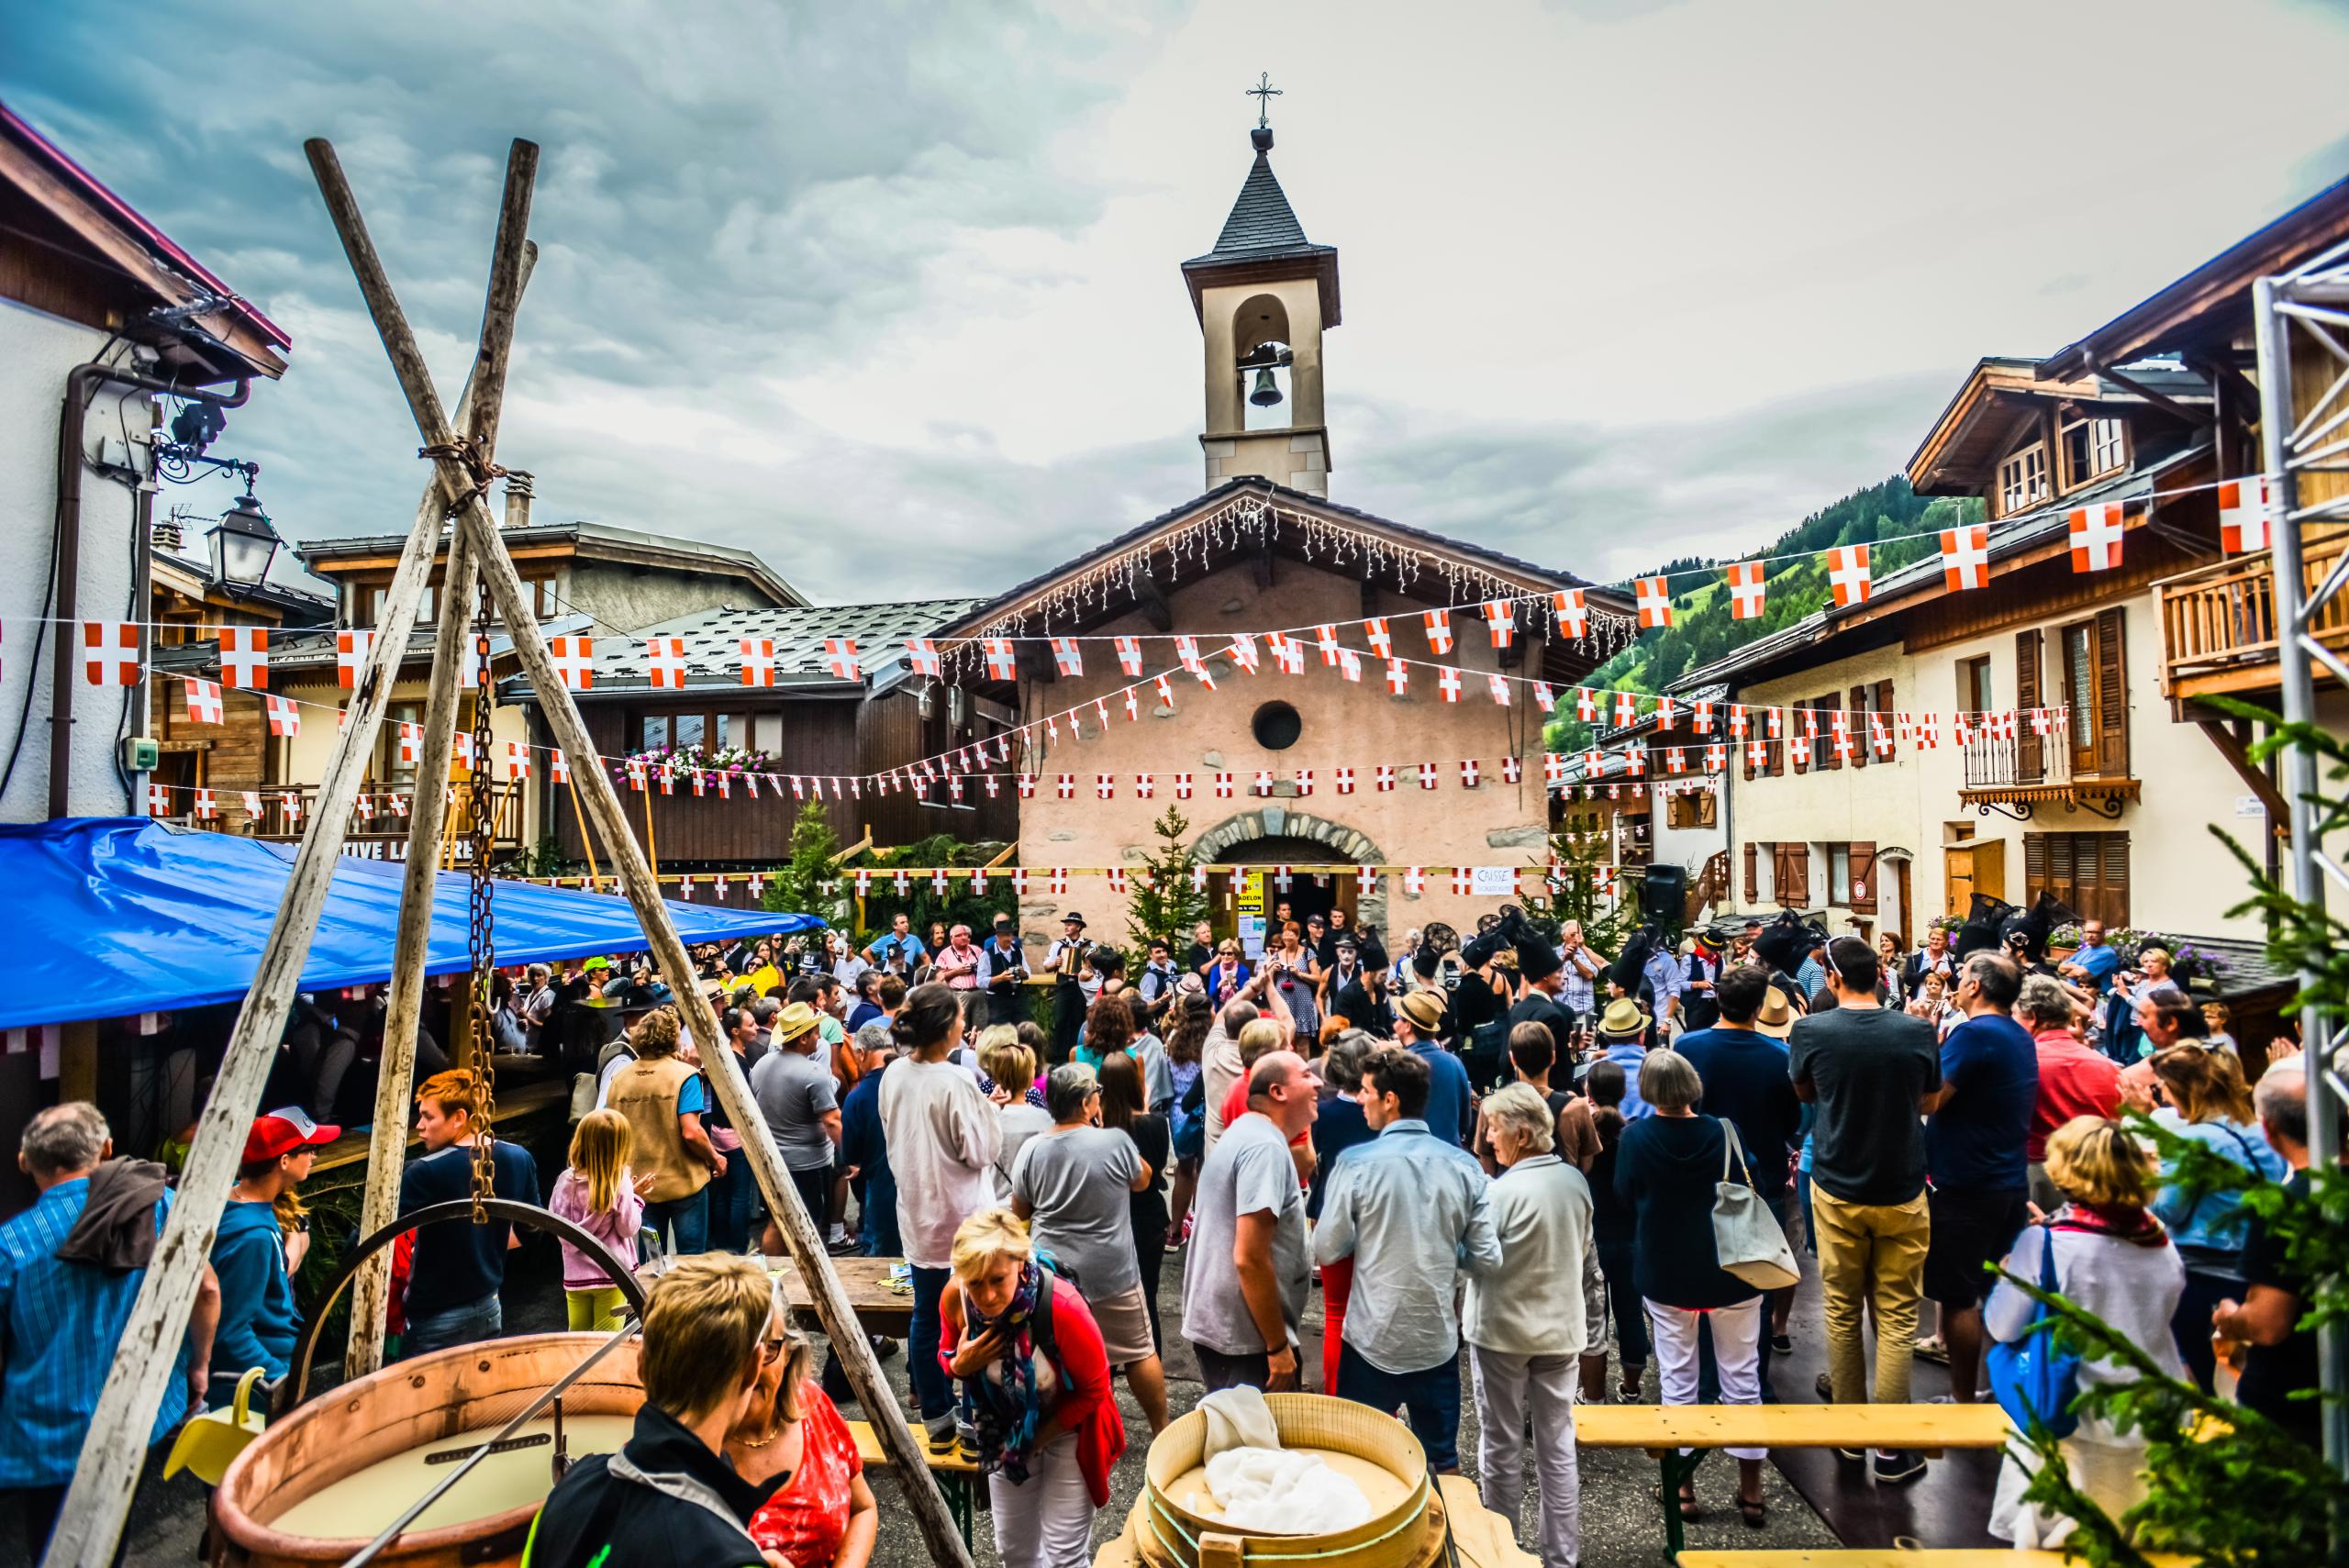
888 292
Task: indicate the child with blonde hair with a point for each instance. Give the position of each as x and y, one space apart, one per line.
598 1193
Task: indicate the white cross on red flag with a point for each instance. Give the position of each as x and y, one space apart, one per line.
1182 786
159 800
1243 650
110 652
1966 556
1350 664
1145 784
1067 658
1305 781
1129 655
1544 699
1553 768
1264 785
1398 677
1374 633
292 805
285 719
1468 778
839 657
1105 785
517 760
204 703
758 660
1847 573
1002 664
1463 878
1635 761
350 649
1512 770
1448 679
1573 614
1385 778
1325 637
1746 590
1716 758
1415 881
2095 533
244 657
1427 775
204 810
1626 708
2242 515
1065 785
1654 601
1223 786
1027 786
1500 619
559 769
1499 687
1586 704
921 656
1439 627
1346 777
1059 881
666 661
574 662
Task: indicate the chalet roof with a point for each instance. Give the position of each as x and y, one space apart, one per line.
713 645
1960 452
304 649
295 604
2009 536
2209 306
602 541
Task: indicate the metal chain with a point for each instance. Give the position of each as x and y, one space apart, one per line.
481 937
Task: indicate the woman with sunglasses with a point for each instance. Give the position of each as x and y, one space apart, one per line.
824 1513
1227 976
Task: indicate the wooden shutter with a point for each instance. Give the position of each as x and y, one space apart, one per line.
1828 707
1859 723
1884 706
2034 866
1863 878
1753 872
2030 754
2115 878
1747 761
2111 697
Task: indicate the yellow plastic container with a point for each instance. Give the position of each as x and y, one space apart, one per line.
209 1442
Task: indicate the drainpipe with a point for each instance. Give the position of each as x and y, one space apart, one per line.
80 382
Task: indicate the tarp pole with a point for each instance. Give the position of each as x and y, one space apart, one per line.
91 1519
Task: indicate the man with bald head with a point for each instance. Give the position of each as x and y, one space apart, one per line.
1245 1289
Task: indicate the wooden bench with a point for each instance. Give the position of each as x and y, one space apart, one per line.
1664 1429
957 1477
1894 1557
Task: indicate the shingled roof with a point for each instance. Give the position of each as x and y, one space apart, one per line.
1262 239
713 643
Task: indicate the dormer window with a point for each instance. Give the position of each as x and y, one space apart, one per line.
2092 448
2023 480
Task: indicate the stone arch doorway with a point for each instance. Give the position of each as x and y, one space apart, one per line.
1275 835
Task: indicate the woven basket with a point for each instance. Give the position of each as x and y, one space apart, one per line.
1169 1535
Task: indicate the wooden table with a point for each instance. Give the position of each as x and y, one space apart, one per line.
866 1281
1664 1429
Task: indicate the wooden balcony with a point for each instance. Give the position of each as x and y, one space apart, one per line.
382 833
2015 777
2219 621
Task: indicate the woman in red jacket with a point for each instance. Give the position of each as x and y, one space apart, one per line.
1035 1383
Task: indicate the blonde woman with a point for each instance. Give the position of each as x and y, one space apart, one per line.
599 1194
2111 1258
1036 1386
824 1513
1010 1064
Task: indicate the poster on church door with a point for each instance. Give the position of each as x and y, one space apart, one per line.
1249 906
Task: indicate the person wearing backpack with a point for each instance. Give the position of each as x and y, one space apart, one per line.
2107 1254
1036 1387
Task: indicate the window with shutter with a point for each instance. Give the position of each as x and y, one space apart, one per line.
1753 874
2112 695
2088 871
1863 878
2030 761
1822 748
1859 709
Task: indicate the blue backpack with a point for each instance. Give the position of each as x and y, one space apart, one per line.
2035 1379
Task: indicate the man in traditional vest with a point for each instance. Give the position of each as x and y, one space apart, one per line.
664 1099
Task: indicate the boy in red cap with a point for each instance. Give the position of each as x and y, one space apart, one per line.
254 1257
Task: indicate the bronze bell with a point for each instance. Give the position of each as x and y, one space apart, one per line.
1266 393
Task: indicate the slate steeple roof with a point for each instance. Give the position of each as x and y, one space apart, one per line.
1261 223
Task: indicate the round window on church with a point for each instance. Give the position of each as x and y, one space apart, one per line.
1276 726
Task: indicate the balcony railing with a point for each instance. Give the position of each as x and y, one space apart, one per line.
1993 763
382 833
2013 777
2219 621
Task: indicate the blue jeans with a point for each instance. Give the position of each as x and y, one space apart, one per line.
464 1325
688 1216
730 1206
932 1392
1431 1400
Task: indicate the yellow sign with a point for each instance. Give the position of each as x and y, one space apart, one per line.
1248 907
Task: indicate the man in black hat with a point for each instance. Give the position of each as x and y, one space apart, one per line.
1345 986
1003 973
1543 976
1067 954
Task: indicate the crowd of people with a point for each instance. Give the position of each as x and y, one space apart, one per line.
1497 1158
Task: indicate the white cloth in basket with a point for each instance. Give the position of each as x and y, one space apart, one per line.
1283 1492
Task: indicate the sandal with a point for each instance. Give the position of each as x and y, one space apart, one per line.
1752 1511
1933 1349
1690 1512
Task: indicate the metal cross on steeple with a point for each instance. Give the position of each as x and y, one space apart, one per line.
1264 91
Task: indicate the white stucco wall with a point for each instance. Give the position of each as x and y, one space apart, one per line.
37 351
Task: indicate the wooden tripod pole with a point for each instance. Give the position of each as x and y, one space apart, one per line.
801 1236
586 840
90 1521
651 845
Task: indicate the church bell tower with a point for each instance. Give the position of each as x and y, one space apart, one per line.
1265 296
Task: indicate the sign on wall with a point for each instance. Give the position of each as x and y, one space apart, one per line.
1249 906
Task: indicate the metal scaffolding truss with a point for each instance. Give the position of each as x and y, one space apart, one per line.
2301 320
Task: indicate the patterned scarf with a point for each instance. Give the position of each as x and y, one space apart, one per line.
1007 1414
2122 1221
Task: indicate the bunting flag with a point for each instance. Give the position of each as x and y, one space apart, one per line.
1448 680
1500 619
1346 777
1066 656
203 701
285 719
1117 880
1654 598
1223 786
292 805
1757 753
1499 687
1002 663
1398 677
1572 613
1105 785
1100 711
701 784
1746 590
574 662
1553 768
1468 779
2242 515
1635 761
1847 574
1666 708
1673 760
350 649
1182 786
159 800
758 660
110 652
1542 697
1700 717
1415 881
839 657
1439 628
1304 781
1059 883
921 656
1626 708
1880 737
1350 664
1186 653
411 744
559 771
987 779
668 782
517 760
1143 786
1243 651
1737 720
251 799
1263 781
1775 721
1385 778
1289 653
1374 631
205 811
1133 704
1325 637
1512 770
979 881
636 778
2096 536
1066 786
1427 775
1586 704
1716 757
244 657
1166 693
1462 879
666 662
938 882
1129 655
1966 556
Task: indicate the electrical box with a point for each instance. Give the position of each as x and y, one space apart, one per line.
140 754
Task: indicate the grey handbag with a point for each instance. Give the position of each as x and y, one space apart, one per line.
1747 1239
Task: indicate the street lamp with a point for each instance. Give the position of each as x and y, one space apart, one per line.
242 544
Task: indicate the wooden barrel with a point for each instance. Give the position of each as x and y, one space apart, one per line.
420 1405
1169 1535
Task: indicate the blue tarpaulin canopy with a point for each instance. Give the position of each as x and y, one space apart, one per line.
108 917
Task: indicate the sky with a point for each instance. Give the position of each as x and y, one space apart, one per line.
890 292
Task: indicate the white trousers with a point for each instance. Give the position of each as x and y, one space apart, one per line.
1045 1521
1505 1385
1737 1355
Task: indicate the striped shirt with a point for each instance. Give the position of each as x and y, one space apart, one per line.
60 1330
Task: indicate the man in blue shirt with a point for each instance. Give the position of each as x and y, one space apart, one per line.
1409 1208
2094 964
1450 1111
900 951
458 1267
1979 1122
61 1319
1623 1039
254 1256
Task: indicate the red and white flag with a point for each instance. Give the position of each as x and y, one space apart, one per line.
1626 708
1346 777
204 703
1757 754
2242 515
244 657
1385 778
1573 614
921 656
1966 556
1673 761
1427 775
1366 880
159 800
411 744
1133 704
1305 781
251 799
350 649
1700 717
1635 761
1512 770
1398 677
574 662
1186 653
1654 598
1067 658
1350 664
1129 655
1415 881
1002 663
1374 631
1847 574
205 811
518 761
1500 619
1746 591
460 749
1027 786
1058 882
292 805
1666 708
559 771
1880 737
1105 785
839 657
1325 637
1263 781
1144 785
1499 687
1223 786
285 719
110 652
1553 768
665 659
1065 785
1586 704
1716 757
758 660
1439 625
2096 536
1019 882
1448 679
1544 699
1737 720
1165 691
1468 775
1117 880
1182 786
1243 650
1462 879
